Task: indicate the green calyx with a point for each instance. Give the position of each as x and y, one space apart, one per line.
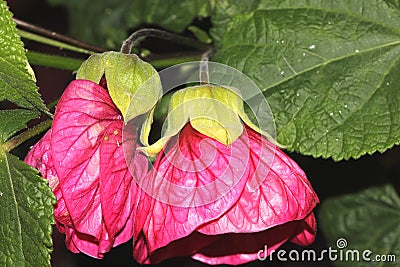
134 85
214 111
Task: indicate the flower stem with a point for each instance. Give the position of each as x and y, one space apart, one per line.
72 64
44 40
53 61
204 74
26 135
139 35
39 34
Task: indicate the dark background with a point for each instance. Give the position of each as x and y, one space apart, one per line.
327 177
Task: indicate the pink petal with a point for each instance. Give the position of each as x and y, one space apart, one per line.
306 231
284 194
271 208
118 190
201 175
94 179
40 158
241 248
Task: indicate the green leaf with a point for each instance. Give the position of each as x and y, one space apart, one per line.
224 11
108 22
12 121
26 215
368 220
329 70
17 82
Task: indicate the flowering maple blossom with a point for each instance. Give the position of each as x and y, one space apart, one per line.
222 204
83 160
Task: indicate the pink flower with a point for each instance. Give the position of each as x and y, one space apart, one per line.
83 159
222 204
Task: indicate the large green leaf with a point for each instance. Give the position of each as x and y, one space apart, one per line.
17 83
224 11
107 23
368 220
26 215
329 70
26 201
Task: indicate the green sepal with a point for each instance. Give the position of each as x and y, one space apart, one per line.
134 85
212 110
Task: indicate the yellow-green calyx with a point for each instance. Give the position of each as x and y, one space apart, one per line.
214 111
134 85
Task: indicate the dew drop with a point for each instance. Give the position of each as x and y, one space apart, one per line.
340 112
357 51
297 94
336 139
345 105
388 83
331 114
304 54
311 47
282 72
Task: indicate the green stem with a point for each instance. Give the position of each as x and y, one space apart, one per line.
26 135
72 64
53 104
51 42
56 36
53 61
135 38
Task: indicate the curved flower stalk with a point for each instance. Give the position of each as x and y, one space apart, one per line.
219 195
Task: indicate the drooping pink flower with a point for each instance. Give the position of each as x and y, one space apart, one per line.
223 204
83 159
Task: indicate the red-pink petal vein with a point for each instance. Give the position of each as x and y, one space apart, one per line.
85 116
